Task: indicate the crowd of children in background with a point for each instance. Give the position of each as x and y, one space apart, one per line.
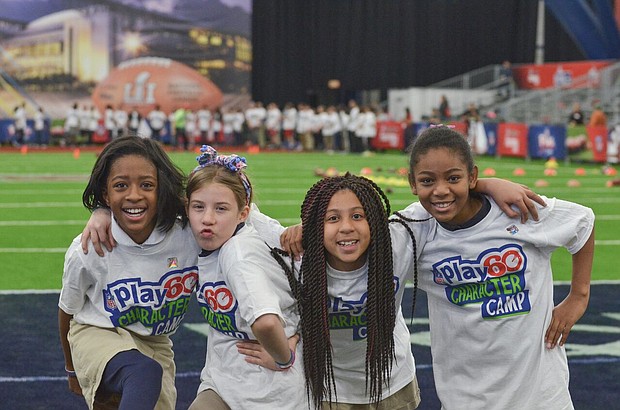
292 127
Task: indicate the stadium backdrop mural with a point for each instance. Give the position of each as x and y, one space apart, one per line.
134 53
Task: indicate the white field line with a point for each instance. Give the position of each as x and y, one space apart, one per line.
43 223
19 205
40 192
43 191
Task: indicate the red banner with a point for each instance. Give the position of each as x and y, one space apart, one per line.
598 141
389 136
460 126
512 140
559 75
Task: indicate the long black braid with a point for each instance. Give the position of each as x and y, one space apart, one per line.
312 295
402 220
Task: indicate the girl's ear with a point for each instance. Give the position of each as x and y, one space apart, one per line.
105 198
473 177
245 212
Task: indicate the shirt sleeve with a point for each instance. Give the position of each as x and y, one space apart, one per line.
566 224
248 268
268 228
76 279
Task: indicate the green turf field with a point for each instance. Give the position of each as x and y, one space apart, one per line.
41 210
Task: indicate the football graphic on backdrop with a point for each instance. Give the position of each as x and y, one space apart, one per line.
141 83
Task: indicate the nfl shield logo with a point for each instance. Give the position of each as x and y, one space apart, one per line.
173 263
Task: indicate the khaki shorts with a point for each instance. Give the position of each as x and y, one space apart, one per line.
208 400
92 348
407 398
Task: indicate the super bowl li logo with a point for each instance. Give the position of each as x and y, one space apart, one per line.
140 91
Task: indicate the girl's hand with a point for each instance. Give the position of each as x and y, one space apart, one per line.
99 230
74 385
563 318
506 193
290 240
255 353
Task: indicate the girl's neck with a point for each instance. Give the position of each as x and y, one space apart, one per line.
480 206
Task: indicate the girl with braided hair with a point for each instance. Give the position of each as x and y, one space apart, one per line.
349 290
353 329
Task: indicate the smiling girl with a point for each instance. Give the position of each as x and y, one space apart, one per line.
356 344
115 314
494 327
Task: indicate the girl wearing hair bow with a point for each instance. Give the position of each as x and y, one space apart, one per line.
242 293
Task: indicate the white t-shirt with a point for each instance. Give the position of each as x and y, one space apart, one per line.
239 283
157 119
108 119
204 119
39 121
143 288
304 120
331 124
72 120
272 121
121 117
289 118
255 116
490 300
20 118
93 119
348 293
367 125
352 124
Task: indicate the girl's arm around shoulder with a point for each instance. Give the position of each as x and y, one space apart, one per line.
98 231
511 197
268 228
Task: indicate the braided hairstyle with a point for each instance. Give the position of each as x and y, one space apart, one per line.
311 288
402 220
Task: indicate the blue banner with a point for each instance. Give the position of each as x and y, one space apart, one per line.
490 128
7 132
546 141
